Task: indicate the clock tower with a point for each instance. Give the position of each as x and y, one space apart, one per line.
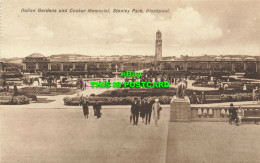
158 46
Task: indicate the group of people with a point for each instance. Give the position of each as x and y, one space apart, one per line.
198 99
145 108
81 84
235 114
84 102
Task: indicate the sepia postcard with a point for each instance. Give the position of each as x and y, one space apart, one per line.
130 81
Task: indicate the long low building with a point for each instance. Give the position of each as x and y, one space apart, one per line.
38 62
65 62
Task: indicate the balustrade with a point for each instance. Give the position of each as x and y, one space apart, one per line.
218 113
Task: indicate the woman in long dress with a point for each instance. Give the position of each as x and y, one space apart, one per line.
156 111
85 108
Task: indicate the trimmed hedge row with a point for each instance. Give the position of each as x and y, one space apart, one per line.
68 85
14 100
114 100
49 84
162 92
236 97
44 90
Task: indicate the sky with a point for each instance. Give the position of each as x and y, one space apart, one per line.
190 28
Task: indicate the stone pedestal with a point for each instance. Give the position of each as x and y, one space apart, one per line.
180 110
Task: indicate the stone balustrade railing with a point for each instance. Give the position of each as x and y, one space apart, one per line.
216 113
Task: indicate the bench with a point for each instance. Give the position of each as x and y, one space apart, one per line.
49 84
252 114
68 85
212 98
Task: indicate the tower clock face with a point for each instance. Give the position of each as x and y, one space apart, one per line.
159 43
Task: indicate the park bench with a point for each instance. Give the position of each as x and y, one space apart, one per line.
212 98
5 99
67 85
49 84
252 115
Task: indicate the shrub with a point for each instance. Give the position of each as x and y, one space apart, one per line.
17 100
67 100
114 93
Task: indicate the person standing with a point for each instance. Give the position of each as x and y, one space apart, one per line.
81 100
142 109
15 90
135 111
202 98
240 115
148 111
255 94
232 114
215 83
244 87
97 109
156 111
85 108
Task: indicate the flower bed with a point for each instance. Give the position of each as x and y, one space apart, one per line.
236 97
47 91
14 100
114 100
162 92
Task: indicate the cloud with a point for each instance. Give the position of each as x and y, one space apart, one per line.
188 25
183 26
43 32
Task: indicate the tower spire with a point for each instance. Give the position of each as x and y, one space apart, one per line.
158 46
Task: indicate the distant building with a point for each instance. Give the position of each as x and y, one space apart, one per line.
36 61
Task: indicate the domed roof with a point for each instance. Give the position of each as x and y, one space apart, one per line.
36 55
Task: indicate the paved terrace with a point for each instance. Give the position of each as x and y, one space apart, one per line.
64 135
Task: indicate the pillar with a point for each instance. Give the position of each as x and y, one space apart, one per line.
49 66
97 65
122 67
110 66
233 66
173 66
208 65
185 65
73 66
24 66
37 66
86 66
245 66
220 65
61 66
256 67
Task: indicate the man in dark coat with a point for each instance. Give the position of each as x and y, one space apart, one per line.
148 111
97 108
135 111
85 108
142 109
232 114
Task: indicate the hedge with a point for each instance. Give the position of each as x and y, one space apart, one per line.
114 100
14 100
